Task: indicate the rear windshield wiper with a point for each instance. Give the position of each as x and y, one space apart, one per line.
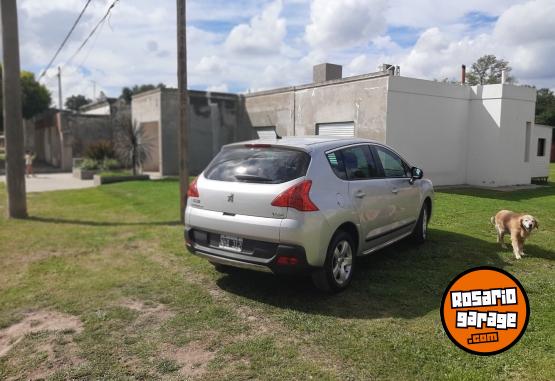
252 178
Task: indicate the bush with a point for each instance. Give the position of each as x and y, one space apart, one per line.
89 164
104 165
109 164
100 151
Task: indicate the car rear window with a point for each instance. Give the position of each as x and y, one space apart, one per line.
269 165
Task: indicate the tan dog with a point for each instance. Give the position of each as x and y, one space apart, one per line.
519 226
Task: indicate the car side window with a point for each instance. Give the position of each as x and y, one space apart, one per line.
359 163
335 159
392 164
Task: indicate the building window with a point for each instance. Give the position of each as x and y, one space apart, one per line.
527 142
541 147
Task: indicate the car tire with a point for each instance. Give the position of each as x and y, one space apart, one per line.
338 269
420 231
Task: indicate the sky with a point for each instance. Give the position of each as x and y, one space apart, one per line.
248 45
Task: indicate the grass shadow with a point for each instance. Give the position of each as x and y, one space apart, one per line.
402 281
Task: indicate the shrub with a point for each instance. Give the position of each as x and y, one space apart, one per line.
109 164
89 164
104 165
100 151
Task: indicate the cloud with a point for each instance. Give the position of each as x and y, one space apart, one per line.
221 88
263 35
524 34
439 54
261 44
440 13
341 24
211 65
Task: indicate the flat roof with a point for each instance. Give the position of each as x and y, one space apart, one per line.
97 103
354 78
192 93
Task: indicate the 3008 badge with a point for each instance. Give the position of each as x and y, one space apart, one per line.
485 310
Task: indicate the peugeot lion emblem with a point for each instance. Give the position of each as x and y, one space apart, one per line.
230 198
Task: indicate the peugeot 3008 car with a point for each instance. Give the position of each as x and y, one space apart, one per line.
309 204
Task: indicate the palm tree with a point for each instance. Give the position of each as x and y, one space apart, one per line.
131 143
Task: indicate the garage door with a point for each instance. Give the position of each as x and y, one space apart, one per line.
266 132
346 129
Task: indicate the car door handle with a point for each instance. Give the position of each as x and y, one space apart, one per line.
395 190
360 194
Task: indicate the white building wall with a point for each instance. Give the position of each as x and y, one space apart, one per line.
461 134
427 122
540 164
483 135
497 139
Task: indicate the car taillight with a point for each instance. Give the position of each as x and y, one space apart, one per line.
297 197
258 145
193 191
287 261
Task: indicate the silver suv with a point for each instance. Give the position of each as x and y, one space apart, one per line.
308 203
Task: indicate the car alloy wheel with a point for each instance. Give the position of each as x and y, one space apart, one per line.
342 262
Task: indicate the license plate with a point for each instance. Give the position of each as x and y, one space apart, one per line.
231 243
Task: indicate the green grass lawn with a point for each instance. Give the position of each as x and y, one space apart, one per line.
117 172
113 256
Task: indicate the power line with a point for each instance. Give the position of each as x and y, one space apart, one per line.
65 39
101 21
91 47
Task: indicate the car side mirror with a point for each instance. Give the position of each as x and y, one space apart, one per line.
415 174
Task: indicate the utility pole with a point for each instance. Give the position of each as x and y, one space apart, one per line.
183 104
13 123
60 104
94 90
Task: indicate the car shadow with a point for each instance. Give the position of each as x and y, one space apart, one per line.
403 281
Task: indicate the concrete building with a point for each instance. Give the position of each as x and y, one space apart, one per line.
59 136
552 144
215 119
540 150
459 134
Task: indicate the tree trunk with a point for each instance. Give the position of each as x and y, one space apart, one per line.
134 161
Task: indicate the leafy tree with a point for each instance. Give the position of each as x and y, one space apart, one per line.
487 70
76 101
127 93
35 98
545 107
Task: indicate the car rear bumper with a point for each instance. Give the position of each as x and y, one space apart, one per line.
305 230
284 259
